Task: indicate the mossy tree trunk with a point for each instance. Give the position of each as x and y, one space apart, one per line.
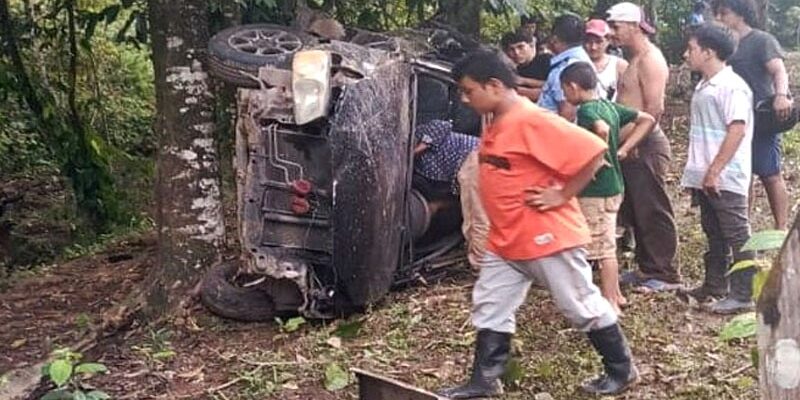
189 212
779 324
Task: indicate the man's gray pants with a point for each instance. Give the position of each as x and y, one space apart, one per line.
503 285
726 224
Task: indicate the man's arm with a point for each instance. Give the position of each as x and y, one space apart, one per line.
733 138
630 138
653 82
551 197
567 110
529 82
531 93
780 82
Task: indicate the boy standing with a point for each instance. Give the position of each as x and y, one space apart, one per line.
600 200
718 168
532 164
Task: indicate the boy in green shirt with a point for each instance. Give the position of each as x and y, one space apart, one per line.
600 200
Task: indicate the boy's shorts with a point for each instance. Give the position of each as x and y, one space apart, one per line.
601 215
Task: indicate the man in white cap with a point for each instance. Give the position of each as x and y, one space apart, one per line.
646 208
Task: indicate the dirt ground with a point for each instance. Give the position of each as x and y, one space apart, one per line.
420 335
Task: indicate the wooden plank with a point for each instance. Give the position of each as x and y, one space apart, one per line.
779 324
372 386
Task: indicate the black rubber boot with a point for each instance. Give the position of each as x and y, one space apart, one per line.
491 355
619 371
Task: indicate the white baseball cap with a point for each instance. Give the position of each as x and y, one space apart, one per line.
629 12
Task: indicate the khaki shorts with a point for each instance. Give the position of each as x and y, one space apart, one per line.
601 215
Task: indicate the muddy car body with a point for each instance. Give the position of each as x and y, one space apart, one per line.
328 218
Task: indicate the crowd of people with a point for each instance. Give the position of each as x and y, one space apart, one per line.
573 149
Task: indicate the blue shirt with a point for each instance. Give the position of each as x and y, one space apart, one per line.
551 91
445 153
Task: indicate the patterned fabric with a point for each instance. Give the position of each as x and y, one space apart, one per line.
445 153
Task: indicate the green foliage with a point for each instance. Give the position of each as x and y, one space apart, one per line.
336 378
745 325
68 375
784 22
765 240
290 325
157 349
349 330
740 327
109 118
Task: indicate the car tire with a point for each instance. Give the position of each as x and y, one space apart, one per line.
237 52
222 296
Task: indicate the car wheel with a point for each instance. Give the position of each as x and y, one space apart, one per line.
220 293
235 54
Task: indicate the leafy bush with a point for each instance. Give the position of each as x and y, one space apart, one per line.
68 374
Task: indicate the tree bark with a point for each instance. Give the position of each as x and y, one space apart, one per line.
11 49
189 212
779 324
463 15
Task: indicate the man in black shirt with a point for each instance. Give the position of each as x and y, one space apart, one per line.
759 61
531 68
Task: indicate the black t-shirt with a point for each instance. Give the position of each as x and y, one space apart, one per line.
538 68
749 61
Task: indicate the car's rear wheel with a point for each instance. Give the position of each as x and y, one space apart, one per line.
235 54
221 294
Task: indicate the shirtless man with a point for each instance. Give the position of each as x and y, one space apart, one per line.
646 208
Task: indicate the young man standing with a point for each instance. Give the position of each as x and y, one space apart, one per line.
609 67
532 164
532 68
718 167
759 60
646 207
566 42
600 199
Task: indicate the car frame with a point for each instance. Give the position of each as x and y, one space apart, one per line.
328 219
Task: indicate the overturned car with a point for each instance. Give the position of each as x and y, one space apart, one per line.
328 218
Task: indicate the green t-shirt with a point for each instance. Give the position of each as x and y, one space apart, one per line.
608 180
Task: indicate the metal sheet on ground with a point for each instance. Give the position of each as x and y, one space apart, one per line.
372 386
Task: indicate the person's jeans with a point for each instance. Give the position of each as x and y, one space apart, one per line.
725 222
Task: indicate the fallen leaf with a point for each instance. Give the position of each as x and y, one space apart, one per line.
18 343
335 342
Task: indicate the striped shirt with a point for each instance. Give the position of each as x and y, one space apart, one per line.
717 103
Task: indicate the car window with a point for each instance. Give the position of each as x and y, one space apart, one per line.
439 99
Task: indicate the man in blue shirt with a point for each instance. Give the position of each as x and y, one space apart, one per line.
567 45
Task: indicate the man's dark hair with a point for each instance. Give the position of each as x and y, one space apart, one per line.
581 73
483 65
716 38
532 18
516 37
743 8
569 29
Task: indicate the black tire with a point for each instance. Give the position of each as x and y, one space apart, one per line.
241 50
223 297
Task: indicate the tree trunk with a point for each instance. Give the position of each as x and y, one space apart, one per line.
463 15
779 324
189 212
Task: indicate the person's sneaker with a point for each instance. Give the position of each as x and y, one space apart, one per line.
653 285
702 294
731 306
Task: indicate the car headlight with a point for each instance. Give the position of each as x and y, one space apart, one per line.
310 85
